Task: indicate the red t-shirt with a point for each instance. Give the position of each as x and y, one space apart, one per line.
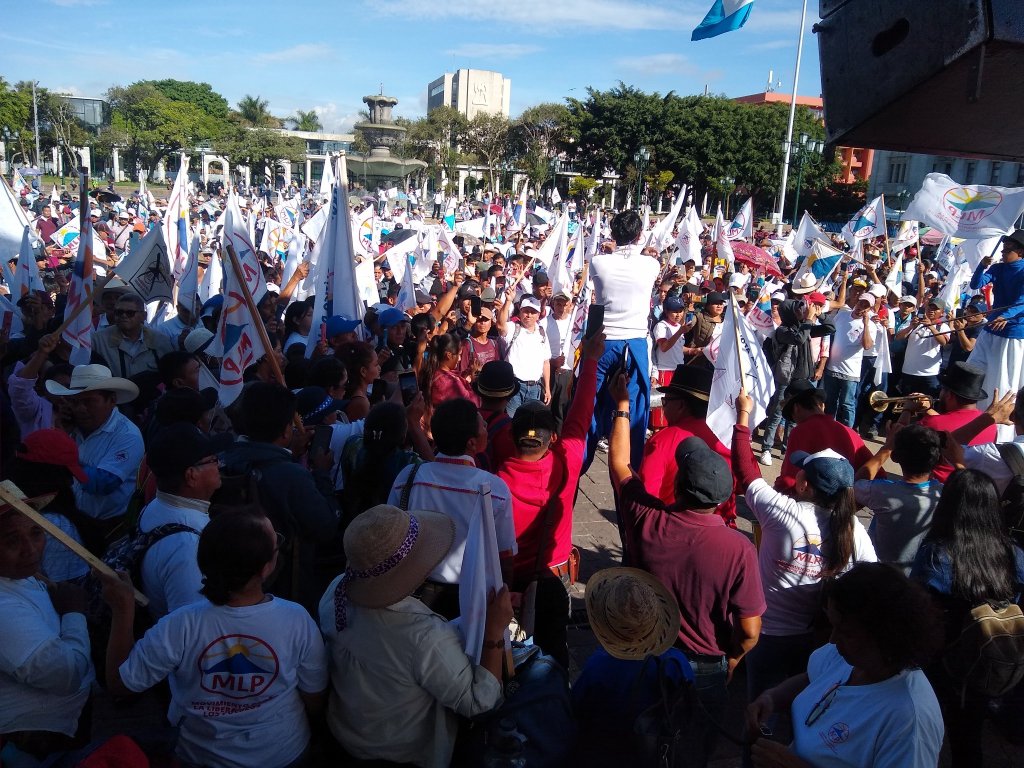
816 433
711 569
950 422
658 469
448 385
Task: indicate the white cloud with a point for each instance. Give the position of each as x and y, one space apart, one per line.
300 52
492 50
336 119
658 64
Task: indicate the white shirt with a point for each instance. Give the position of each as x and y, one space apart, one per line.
985 458
117 448
528 354
170 573
790 557
924 353
451 485
45 668
668 360
847 350
235 676
400 680
172 329
623 280
892 724
557 332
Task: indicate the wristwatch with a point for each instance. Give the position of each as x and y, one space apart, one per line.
620 414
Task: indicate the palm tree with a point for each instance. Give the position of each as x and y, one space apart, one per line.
254 111
305 121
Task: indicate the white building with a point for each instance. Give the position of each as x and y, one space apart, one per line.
899 175
471 92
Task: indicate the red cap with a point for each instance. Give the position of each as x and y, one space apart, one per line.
817 298
51 446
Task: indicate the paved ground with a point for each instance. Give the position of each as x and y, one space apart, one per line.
597 537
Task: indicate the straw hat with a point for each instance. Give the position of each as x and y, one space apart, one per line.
632 614
391 552
93 378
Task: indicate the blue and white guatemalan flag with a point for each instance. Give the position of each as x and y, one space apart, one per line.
724 16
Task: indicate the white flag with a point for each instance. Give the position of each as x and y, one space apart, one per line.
79 332
869 222
555 197
175 221
742 227
954 285
974 249
894 280
806 234
726 384
26 271
213 279
147 268
907 236
327 179
688 241
237 335
188 286
236 234
661 235
883 363
13 221
725 247
975 211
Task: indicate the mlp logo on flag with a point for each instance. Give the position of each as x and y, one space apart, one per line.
971 204
975 211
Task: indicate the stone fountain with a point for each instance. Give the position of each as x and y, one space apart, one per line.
379 168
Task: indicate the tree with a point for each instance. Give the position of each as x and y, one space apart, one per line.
305 121
259 147
539 134
15 110
487 136
253 111
435 139
581 186
657 182
201 95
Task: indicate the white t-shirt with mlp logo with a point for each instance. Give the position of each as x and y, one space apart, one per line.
235 676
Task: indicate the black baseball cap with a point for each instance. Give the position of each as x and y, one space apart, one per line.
703 479
174 449
533 424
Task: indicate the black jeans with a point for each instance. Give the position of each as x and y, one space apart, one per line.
551 617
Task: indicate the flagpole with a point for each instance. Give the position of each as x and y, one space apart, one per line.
792 117
736 331
885 231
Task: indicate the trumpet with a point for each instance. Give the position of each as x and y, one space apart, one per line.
879 402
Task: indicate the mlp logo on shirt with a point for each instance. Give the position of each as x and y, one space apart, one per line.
238 666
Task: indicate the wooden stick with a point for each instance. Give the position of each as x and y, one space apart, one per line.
736 330
885 230
8 498
984 312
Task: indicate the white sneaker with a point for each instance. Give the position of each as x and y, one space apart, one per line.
766 458
602 445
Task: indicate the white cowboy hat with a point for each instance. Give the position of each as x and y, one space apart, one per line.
95 378
806 283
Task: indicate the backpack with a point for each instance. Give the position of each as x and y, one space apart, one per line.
671 732
1013 495
987 658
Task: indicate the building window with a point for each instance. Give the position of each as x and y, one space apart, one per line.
969 171
437 89
1020 174
897 173
993 176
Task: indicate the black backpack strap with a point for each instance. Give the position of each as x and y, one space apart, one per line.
403 502
1013 456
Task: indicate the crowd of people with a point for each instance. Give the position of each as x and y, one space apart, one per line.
307 551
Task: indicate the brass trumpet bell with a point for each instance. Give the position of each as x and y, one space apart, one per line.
879 402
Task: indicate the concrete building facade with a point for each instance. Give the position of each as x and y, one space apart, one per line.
471 92
899 175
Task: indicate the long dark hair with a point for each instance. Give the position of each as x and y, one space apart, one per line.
837 546
438 347
968 521
384 433
356 355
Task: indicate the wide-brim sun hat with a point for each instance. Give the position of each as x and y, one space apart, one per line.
391 552
95 378
631 613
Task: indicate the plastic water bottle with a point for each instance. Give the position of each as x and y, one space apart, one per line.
505 746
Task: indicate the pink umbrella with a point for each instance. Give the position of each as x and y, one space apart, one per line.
758 258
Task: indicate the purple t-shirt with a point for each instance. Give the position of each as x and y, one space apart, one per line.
710 568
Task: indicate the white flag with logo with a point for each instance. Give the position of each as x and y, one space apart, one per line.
237 335
869 222
175 221
236 234
907 236
807 233
688 240
726 385
742 227
962 210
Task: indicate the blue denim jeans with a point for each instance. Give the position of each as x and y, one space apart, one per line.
841 398
709 678
868 417
531 391
771 423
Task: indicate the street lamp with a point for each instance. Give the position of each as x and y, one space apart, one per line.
902 197
642 157
800 151
554 166
7 137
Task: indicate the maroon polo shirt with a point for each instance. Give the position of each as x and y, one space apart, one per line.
950 422
710 568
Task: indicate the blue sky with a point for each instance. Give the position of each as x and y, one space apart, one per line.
327 55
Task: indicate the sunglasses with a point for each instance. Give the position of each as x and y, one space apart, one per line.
125 312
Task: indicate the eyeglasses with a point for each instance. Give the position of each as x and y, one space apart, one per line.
824 703
207 462
125 312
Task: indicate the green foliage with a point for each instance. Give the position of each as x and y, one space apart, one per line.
201 95
435 139
15 109
581 186
252 110
305 121
702 140
257 147
487 136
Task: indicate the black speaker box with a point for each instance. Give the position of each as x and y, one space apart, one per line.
940 77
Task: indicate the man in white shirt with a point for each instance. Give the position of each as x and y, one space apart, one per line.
438 205
624 283
527 350
187 470
451 484
854 334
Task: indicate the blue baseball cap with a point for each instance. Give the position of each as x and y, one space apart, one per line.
391 317
337 324
673 304
826 470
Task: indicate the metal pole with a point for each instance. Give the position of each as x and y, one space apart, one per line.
799 180
35 118
792 116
